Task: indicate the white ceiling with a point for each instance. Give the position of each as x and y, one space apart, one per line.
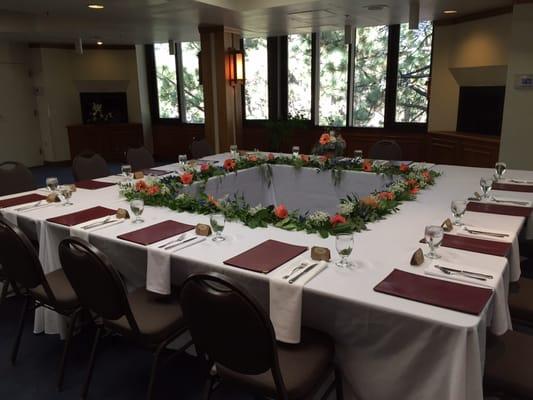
147 21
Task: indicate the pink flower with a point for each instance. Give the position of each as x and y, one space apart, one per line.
404 167
229 164
270 156
367 166
204 167
186 178
281 211
337 219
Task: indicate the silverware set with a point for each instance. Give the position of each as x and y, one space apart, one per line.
177 242
493 234
305 271
469 274
35 206
517 202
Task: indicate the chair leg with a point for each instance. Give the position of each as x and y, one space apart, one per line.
208 388
5 287
66 348
20 330
338 384
85 389
154 370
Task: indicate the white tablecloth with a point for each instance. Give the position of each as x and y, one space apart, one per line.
384 344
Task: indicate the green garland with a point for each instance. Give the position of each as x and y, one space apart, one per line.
353 215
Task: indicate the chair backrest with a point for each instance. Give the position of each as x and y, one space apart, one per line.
227 325
97 284
385 150
15 178
139 159
89 166
200 148
20 263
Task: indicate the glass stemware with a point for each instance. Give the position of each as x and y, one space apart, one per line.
127 172
217 222
66 192
458 209
486 185
358 155
500 168
234 151
137 208
52 183
295 151
344 246
433 236
182 159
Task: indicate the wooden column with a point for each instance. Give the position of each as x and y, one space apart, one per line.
222 100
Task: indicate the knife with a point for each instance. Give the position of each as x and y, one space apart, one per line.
180 243
305 271
495 234
460 271
520 203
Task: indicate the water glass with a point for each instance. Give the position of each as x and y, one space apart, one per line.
344 246
182 159
433 236
295 151
234 151
137 208
500 168
52 183
486 186
126 171
458 209
66 192
217 224
358 155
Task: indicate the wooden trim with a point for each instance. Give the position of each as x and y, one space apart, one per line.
476 16
391 85
68 46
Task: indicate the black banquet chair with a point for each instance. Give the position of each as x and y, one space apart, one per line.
146 319
237 337
140 158
89 165
15 178
23 270
385 150
200 148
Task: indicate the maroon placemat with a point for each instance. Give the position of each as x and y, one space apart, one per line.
79 217
492 247
93 185
266 256
16 201
515 211
512 187
156 233
155 172
436 292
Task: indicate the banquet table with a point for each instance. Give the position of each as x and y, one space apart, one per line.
387 347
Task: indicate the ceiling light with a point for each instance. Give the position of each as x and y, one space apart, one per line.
96 6
99 43
449 12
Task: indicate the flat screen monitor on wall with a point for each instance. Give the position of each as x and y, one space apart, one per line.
481 109
102 108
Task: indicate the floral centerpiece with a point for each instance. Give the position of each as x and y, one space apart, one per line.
330 145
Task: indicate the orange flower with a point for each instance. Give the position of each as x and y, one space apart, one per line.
412 183
252 158
213 201
324 139
140 186
281 211
270 156
404 167
229 164
304 158
204 167
426 175
415 190
322 159
369 201
186 178
337 219
386 196
367 166
153 190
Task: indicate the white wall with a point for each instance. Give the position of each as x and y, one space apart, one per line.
19 129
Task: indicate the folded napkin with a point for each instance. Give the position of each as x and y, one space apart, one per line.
286 301
434 271
462 231
10 216
519 181
512 201
158 279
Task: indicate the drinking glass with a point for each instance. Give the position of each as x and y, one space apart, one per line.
344 246
358 155
137 208
182 159
126 171
486 186
52 183
458 209
500 168
234 151
66 192
295 151
433 235
217 224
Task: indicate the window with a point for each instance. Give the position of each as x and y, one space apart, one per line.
333 78
370 76
256 75
414 65
299 75
167 92
193 93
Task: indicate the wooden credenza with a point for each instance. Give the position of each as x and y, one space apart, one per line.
109 140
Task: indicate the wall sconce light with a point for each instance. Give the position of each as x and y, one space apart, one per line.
236 66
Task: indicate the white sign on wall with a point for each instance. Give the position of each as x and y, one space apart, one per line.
524 81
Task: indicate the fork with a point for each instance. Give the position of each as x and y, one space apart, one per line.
94 225
178 239
296 269
24 208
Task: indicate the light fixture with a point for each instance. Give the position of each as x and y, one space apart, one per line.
449 12
235 66
414 14
100 43
96 6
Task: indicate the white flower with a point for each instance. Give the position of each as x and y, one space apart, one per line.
181 196
346 208
332 139
255 210
318 217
